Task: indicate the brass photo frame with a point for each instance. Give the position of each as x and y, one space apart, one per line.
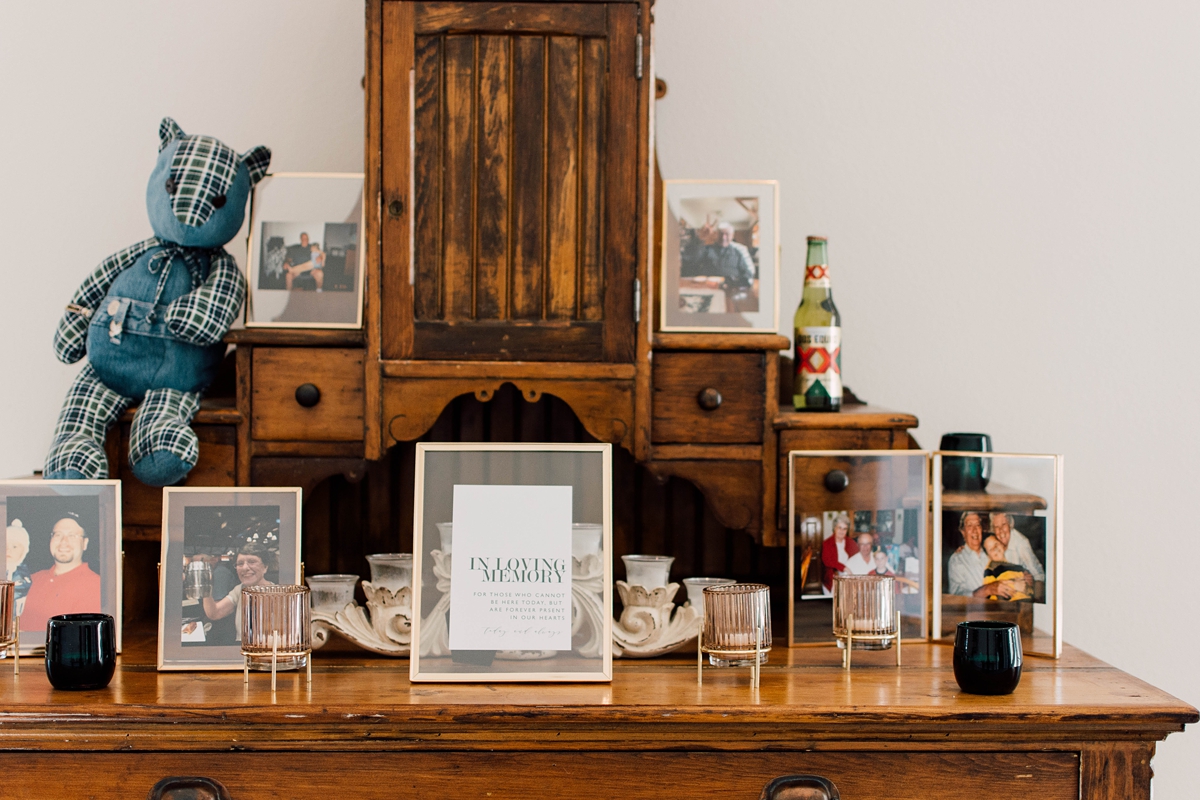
1018 491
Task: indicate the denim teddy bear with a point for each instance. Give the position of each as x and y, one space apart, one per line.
150 318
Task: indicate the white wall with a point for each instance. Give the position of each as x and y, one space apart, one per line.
1010 191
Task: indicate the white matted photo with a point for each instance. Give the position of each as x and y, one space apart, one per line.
512 563
62 541
305 262
720 256
215 542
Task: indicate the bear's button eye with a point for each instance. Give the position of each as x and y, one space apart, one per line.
218 201
170 186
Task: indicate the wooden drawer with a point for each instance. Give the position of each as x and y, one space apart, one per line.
680 378
830 439
521 775
336 372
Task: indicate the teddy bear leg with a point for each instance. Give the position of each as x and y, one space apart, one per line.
77 452
162 445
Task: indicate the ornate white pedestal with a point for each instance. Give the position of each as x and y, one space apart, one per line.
650 624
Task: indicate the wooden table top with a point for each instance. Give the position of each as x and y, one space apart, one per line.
805 697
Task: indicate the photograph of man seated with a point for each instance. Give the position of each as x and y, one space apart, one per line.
990 559
56 541
718 255
226 548
308 256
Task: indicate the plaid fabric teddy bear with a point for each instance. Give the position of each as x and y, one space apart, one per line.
150 318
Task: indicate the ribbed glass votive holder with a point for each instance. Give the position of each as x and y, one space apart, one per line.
864 611
276 622
737 620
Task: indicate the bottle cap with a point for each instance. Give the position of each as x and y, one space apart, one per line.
817 239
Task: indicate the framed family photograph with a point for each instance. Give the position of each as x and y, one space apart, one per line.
62 541
720 256
998 538
215 542
856 512
305 262
512 563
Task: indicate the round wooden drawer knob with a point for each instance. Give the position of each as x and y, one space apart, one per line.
308 395
709 399
836 480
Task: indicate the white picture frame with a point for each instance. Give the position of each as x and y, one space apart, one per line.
33 510
288 212
214 522
587 470
711 281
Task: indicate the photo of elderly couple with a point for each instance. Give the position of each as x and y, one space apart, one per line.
879 542
994 555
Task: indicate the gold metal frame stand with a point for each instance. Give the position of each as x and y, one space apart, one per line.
247 655
755 668
849 637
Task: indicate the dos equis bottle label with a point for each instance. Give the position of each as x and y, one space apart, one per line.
818 337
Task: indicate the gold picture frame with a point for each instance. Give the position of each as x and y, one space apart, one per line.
440 468
885 495
1026 490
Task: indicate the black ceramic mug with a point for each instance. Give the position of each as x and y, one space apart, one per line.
966 474
81 651
987 657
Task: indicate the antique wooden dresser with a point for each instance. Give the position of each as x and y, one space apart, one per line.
511 244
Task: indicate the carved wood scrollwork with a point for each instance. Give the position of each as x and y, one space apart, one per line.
605 408
733 489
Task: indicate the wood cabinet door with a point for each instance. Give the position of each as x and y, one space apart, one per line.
511 129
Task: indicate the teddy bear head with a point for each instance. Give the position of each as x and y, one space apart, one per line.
198 190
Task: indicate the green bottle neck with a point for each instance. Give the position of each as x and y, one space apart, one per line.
816 268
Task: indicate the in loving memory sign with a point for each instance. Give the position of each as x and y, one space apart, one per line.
510 578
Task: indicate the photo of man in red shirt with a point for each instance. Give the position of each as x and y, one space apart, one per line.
69 586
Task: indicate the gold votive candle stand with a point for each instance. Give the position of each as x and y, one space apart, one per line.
735 629
276 628
865 614
10 628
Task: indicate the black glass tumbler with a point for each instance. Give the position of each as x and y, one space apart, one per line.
81 651
987 657
966 474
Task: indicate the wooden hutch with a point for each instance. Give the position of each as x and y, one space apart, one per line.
512 256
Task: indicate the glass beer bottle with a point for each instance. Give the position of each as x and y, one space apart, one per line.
818 327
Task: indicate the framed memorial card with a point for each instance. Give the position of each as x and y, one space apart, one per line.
856 512
215 541
304 258
997 545
512 563
63 545
720 256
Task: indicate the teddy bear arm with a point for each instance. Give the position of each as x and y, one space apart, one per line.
70 338
203 315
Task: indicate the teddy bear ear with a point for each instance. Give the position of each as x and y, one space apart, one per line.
257 160
168 130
